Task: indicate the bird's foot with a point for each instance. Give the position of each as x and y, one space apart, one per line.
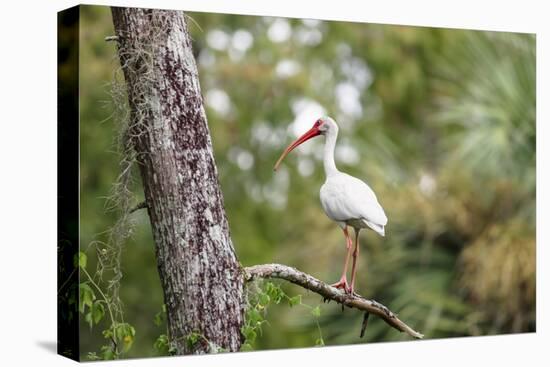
343 284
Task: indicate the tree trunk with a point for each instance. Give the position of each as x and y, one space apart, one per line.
198 268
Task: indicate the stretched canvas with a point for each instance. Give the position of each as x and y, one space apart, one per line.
401 206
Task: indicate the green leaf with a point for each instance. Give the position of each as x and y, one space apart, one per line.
92 356
254 316
80 260
128 338
192 339
72 298
86 297
98 311
108 334
249 334
274 292
316 311
172 350
107 353
246 347
264 299
88 319
160 317
161 345
123 333
320 342
296 300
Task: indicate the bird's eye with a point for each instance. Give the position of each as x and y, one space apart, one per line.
317 123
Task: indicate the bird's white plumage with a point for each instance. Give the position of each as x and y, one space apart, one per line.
348 200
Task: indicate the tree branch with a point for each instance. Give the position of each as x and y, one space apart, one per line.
309 282
111 38
139 206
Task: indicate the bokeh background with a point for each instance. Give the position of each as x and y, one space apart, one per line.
439 122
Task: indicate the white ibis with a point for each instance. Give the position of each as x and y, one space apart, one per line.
346 200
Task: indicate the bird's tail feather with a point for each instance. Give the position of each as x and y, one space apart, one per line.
376 227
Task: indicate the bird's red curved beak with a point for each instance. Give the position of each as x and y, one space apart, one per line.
311 133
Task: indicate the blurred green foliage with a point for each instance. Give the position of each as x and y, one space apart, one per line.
439 122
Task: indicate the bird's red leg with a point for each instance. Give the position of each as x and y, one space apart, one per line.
343 282
355 254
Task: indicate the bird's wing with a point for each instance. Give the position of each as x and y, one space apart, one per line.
363 200
348 197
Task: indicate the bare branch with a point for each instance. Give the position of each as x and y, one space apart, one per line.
139 206
364 324
111 38
313 284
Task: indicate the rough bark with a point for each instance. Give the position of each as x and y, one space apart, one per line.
199 272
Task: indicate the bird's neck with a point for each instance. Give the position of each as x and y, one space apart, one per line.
328 159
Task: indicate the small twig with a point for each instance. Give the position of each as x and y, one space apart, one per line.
364 325
111 38
73 272
141 205
194 22
327 292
